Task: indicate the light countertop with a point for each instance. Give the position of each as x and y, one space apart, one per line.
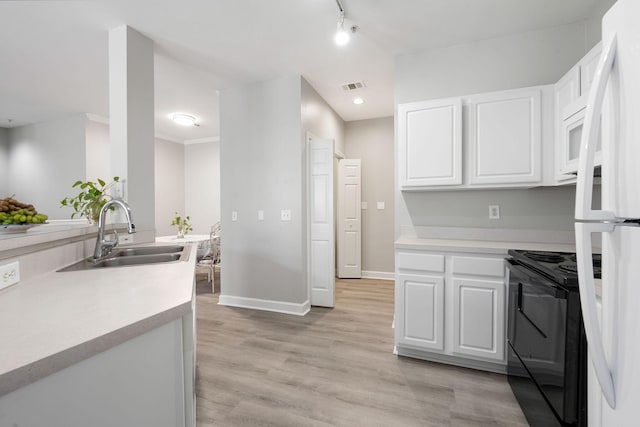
479 246
58 319
484 240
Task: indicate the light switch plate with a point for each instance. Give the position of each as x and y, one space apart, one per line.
9 274
234 216
364 206
285 215
380 206
260 215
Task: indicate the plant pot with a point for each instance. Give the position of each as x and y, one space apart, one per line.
92 212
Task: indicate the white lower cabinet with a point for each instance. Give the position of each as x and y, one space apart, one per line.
450 307
422 321
478 318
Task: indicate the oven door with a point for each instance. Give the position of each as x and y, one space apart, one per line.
537 331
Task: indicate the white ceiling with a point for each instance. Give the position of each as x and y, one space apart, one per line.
54 58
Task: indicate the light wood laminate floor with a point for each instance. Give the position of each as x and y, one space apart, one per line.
332 367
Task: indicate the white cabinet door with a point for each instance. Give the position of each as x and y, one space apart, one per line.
567 90
588 66
505 137
479 307
420 311
430 143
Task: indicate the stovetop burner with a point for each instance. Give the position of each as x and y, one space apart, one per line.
570 268
561 267
597 260
544 256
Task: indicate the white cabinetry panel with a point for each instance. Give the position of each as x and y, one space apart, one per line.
420 261
505 137
479 308
478 266
588 66
421 319
430 143
450 307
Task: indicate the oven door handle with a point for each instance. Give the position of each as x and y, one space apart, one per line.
519 307
584 257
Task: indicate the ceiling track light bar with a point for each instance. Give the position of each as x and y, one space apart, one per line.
339 3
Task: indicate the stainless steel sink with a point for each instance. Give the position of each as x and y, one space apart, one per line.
141 255
145 250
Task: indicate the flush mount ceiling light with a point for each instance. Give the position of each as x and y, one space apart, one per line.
184 119
358 101
342 36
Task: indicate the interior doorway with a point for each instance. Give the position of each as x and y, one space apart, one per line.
334 230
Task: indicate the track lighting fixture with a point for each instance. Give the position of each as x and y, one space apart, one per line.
343 35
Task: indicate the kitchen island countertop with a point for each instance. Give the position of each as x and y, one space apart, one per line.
55 320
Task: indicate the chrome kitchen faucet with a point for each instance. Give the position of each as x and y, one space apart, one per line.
104 247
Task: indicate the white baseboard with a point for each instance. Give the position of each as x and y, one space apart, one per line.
266 305
382 275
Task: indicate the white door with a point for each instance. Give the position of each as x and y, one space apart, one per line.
349 221
321 261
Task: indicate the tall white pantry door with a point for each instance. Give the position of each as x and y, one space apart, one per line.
321 232
349 219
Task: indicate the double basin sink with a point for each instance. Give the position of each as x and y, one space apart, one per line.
140 255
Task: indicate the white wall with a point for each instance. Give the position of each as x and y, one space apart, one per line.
4 163
320 119
594 23
169 184
45 159
528 59
261 159
372 141
202 185
98 155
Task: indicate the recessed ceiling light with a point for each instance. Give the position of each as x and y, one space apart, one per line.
358 101
183 119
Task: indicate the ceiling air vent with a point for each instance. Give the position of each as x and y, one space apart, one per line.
347 87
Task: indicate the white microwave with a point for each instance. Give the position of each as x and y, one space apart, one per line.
571 134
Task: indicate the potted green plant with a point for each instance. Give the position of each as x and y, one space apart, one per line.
91 198
184 227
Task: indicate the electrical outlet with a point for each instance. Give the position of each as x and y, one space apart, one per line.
285 215
380 206
9 274
494 212
125 239
234 216
364 206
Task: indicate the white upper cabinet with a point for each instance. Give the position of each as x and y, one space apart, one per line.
567 89
504 131
587 67
571 93
430 143
497 136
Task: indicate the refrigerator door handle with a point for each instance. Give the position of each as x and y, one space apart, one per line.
591 128
595 344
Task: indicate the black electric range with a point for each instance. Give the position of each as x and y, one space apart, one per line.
547 349
561 267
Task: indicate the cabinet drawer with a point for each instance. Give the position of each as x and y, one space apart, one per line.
420 261
477 266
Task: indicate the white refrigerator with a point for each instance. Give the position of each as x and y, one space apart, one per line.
614 335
